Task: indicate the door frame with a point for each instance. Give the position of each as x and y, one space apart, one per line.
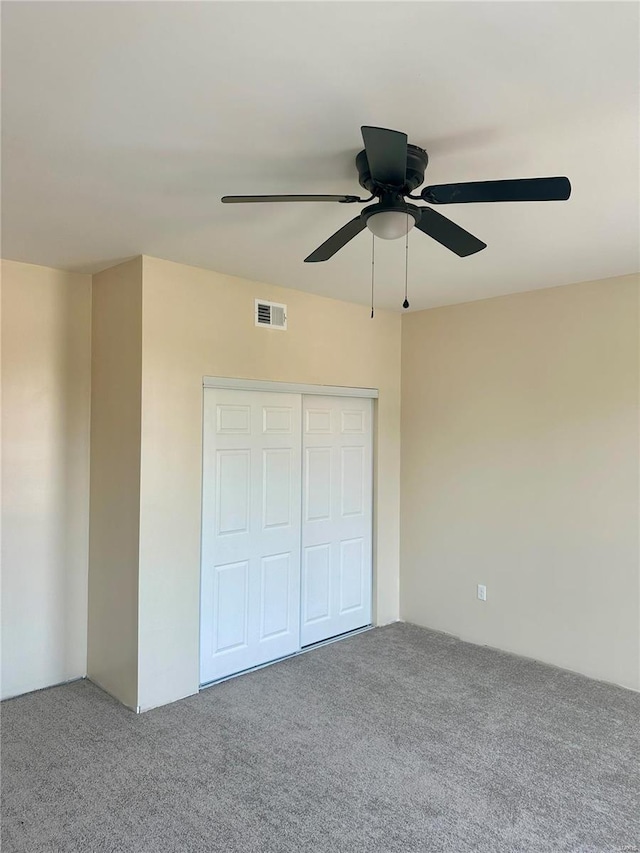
287 387
236 384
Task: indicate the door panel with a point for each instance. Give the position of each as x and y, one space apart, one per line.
277 419
250 596
318 421
231 603
353 421
351 575
274 606
316 562
318 484
277 487
337 516
232 491
233 420
352 481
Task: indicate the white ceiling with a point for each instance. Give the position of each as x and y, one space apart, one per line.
123 123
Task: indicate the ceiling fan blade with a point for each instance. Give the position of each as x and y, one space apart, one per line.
523 189
248 199
446 232
337 241
386 155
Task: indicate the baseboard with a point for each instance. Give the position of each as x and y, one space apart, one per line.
45 687
94 681
522 657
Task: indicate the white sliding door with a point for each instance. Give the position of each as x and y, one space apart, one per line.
250 594
337 516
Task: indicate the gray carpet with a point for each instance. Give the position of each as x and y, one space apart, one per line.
398 739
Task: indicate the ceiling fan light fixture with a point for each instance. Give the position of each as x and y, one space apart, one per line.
390 224
390 168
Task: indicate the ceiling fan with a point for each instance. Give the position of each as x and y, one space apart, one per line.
390 168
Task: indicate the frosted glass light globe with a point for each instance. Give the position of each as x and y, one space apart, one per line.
390 224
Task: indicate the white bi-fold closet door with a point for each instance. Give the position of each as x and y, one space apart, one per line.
286 525
250 586
336 517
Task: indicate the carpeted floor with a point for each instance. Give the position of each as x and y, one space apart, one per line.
398 739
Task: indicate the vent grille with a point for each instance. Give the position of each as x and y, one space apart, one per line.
264 313
272 314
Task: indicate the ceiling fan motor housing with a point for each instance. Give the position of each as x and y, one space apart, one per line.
417 160
388 205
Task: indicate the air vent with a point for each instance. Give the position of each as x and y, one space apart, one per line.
271 314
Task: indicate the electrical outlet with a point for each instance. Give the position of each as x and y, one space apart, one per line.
482 592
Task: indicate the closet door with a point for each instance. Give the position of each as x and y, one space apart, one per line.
250 590
337 516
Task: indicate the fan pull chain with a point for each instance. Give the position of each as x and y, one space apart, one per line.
373 261
405 304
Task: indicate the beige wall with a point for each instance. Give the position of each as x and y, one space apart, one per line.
116 372
45 475
520 465
520 460
198 323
